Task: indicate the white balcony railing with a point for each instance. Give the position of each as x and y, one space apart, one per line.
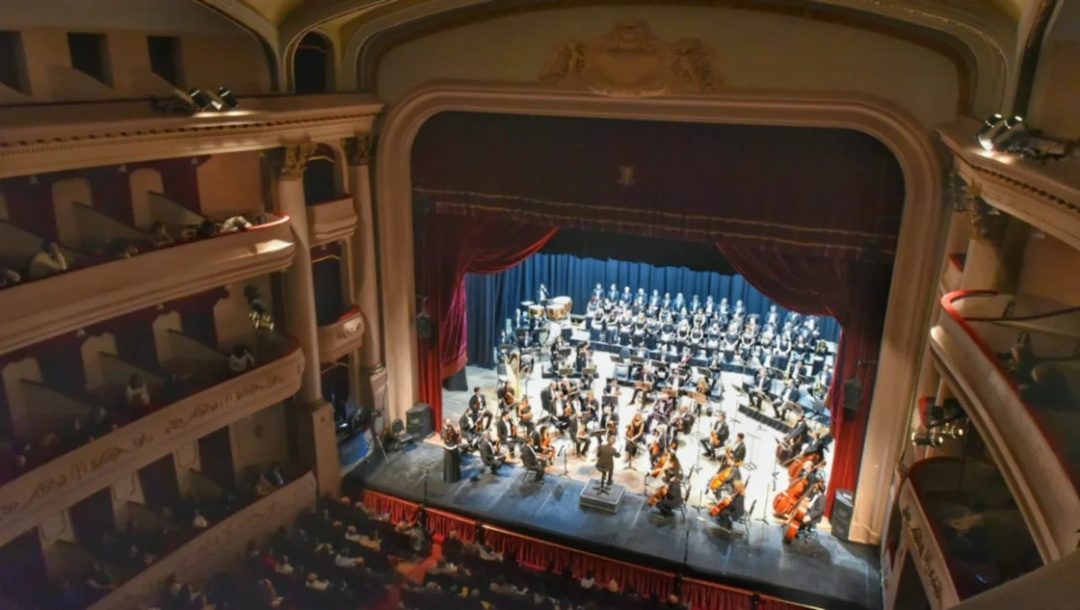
331 221
69 301
344 335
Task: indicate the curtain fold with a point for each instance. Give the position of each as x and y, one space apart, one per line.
449 247
853 291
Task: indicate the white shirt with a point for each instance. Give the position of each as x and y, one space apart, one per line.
318 585
239 364
138 392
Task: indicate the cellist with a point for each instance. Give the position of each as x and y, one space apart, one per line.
730 508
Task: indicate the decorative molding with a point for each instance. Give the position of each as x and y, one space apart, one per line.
630 61
929 559
331 221
63 303
987 222
218 548
294 160
69 478
358 149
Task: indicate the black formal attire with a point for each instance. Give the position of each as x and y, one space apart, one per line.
673 500
487 454
605 463
507 437
547 400
739 453
734 512
722 432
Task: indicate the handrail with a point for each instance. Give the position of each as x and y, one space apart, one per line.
1052 440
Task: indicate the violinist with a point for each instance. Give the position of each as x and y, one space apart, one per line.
566 420
730 508
544 446
483 423
718 436
477 401
579 431
547 398
490 454
635 433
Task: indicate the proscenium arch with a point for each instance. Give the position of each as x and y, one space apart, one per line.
914 274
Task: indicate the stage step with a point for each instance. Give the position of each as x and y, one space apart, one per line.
606 500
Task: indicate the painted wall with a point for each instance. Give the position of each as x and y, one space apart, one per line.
260 440
751 50
1056 92
231 184
1049 269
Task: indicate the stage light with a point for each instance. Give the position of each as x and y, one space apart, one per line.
991 127
203 101
227 97
927 439
1012 136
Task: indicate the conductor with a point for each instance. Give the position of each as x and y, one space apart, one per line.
605 461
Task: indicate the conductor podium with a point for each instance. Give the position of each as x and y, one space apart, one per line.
606 500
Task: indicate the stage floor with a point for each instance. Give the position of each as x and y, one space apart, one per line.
825 572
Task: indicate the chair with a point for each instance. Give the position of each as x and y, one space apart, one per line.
401 436
530 464
686 498
745 519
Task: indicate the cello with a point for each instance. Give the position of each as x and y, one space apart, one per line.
724 503
723 475
787 501
659 495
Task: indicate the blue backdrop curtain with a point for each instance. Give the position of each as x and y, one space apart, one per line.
493 297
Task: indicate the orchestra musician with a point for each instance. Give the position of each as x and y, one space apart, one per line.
605 461
635 433
579 431
507 430
793 441
490 454
808 514
529 456
732 507
738 452
672 498
452 443
547 398
718 436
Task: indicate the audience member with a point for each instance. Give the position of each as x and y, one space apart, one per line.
49 261
137 394
159 236
9 277
241 359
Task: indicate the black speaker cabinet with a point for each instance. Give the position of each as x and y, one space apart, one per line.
418 421
842 509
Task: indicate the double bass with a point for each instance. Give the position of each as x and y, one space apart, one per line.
796 465
787 501
794 524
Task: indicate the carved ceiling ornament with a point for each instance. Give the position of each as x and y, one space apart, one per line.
630 61
987 222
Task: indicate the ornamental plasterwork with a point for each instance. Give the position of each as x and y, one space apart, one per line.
295 159
987 223
630 61
358 149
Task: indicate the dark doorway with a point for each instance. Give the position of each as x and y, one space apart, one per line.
216 459
312 65
93 517
22 567
159 483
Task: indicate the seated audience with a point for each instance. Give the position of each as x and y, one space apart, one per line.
137 394
49 261
159 236
9 277
241 359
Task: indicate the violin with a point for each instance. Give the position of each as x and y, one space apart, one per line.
660 493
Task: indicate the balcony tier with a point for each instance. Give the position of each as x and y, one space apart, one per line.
331 221
66 302
344 335
1034 444
963 529
217 549
54 486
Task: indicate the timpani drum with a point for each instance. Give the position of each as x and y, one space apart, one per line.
536 312
566 303
555 311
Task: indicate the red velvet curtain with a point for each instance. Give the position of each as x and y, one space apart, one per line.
538 554
701 595
447 248
855 291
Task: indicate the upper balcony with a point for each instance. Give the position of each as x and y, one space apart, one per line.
964 529
1044 195
89 293
72 476
331 221
1016 368
344 335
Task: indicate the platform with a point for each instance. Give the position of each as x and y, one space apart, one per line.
825 573
607 500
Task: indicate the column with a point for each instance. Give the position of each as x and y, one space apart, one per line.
983 265
312 417
362 249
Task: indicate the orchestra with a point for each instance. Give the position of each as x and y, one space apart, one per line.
672 353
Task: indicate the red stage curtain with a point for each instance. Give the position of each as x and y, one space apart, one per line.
447 248
538 555
855 292
701 595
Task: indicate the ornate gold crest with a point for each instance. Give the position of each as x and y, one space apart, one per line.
630 61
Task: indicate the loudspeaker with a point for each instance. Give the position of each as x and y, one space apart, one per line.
852 397
418 421
423 325
842 509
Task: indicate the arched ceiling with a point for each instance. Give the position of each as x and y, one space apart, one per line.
989 30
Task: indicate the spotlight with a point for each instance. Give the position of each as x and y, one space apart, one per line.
1014 133
227 97
203 100
926 439
991 127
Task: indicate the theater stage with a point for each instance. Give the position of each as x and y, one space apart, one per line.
826 572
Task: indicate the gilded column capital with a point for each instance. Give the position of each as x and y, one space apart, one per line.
987 222
358 149
294 158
